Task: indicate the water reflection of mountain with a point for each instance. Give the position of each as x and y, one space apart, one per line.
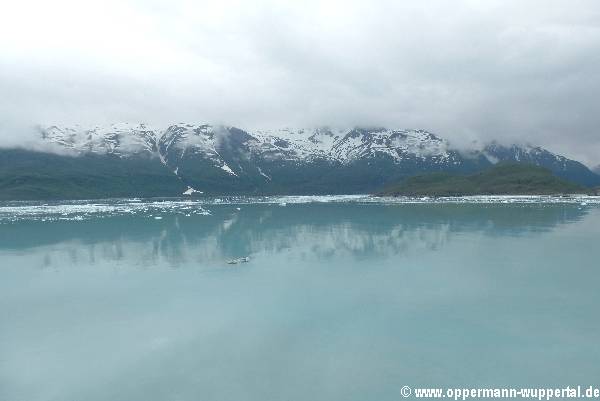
304 230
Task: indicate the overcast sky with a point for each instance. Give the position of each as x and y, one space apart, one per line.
508 70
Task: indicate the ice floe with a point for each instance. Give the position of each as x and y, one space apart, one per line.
87 209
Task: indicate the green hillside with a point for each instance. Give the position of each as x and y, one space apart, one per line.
27 175
502 179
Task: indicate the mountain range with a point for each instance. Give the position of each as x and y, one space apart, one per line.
139 160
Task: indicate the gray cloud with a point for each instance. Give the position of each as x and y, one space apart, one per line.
467 70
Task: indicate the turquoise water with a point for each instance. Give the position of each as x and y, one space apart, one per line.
343 300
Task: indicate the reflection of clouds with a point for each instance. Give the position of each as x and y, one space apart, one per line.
228 223
348 239
303 232
173 247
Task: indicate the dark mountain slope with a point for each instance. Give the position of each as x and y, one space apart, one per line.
33 175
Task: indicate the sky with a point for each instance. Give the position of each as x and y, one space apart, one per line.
511 71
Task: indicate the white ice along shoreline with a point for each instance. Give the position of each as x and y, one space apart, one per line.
83 210
370 199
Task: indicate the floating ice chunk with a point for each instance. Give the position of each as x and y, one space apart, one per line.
238 260
190 191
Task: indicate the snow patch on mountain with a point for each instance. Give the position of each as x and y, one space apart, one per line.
263 174
397 144
228 169
301 144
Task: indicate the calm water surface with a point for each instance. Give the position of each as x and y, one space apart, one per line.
340 301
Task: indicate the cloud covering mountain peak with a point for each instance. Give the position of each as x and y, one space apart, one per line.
500 70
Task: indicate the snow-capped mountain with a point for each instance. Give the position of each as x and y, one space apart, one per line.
270 160
286 144
118 139
229 160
